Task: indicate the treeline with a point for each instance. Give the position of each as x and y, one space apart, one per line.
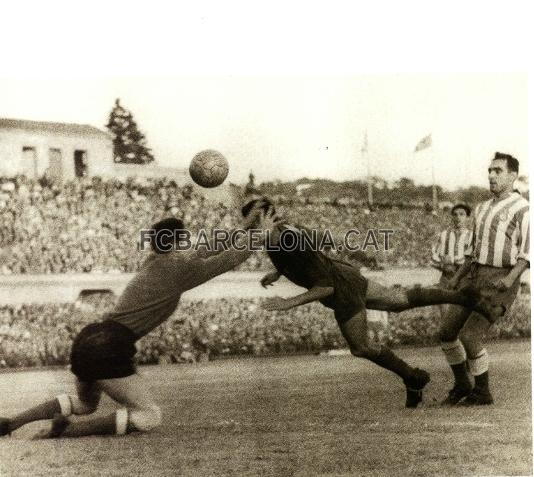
402 191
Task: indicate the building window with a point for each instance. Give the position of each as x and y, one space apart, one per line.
29 157
80 163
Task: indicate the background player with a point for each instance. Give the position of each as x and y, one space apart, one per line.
102 353
448 253
496 261
341 287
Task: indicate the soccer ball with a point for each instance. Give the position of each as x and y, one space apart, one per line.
208 168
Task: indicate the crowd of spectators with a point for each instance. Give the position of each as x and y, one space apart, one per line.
92 225
38 335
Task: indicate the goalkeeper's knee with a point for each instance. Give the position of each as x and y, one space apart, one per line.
70 404
143 420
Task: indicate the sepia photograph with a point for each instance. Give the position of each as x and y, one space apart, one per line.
263 272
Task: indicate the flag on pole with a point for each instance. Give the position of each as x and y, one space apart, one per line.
424 143
365 143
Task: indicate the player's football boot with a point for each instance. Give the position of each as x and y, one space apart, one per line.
491 312
4 426
481 303
414 387
456 394
478 397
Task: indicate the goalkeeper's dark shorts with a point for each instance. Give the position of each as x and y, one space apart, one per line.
103 350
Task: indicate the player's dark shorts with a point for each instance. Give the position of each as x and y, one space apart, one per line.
482 276
350 290
103 350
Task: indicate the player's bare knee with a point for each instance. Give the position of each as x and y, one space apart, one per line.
70 404
141 420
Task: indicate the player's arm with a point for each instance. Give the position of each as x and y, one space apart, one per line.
270 279
313 294
460 273
523 257
202 270
518 269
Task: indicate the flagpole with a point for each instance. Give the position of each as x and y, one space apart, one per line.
365 156
434 189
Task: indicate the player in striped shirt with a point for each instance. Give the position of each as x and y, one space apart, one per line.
494 263
102 353
448 253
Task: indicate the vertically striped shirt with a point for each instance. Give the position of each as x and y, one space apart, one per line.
501 232
452 246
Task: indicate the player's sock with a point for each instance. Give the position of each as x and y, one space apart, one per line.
481 395
95 426
479 369
438 296
461 376
455 355
46 410
389 360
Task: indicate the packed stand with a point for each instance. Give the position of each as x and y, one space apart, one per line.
92 225
38 335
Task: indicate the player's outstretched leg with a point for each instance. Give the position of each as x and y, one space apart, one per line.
354 329
139 412
84 402
383 298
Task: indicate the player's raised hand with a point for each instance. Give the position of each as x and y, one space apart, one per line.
276 304
253 218
269 279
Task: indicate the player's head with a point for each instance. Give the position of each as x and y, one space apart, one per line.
165 232
502 173
460 214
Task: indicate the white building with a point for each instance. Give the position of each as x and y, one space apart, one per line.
60 150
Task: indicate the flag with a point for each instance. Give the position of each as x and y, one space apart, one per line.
424 143
365 143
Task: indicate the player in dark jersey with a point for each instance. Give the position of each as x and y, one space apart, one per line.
340 286
102 353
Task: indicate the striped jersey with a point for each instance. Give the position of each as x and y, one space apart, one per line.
501 232
452 246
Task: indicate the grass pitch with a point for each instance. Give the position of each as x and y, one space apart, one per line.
306 415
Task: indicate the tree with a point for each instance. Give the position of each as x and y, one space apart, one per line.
129 144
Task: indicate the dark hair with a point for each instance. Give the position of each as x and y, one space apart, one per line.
263 203
163 243
511 162
464 207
